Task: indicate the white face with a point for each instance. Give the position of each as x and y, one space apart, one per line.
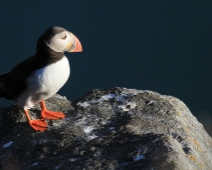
61 42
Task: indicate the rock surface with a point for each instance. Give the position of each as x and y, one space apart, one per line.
107 129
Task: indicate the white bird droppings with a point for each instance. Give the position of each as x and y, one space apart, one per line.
92 137
8 144
72 159
106 123
57 167
112 128
139 157
84 104
109 96
34 164
88 129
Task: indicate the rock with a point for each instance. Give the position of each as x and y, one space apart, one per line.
115 128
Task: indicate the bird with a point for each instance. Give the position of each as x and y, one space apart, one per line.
40 76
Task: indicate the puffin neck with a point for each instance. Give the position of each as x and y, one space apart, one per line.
45 52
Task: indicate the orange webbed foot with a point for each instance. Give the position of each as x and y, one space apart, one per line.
47 114
38 124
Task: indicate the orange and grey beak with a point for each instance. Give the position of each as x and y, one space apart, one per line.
75 46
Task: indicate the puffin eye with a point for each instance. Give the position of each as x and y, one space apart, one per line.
64 37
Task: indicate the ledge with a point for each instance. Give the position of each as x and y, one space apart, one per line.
115 128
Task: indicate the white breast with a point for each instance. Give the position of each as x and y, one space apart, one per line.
44 83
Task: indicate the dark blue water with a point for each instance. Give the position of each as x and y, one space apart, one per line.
164 46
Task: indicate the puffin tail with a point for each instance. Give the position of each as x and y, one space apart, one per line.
3 93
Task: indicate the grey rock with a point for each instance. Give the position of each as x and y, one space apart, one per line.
111 129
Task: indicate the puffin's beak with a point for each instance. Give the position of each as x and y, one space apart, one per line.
75 46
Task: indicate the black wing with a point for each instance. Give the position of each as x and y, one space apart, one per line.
15 80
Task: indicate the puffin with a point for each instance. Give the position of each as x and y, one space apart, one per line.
40 76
